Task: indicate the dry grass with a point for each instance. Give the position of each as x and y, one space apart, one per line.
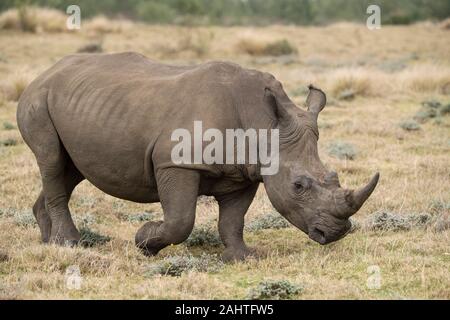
15 83
102 25
346 57
256 47
33 20
39 20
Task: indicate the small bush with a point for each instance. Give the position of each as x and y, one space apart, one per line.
279 48
431 109
203 236
438 205
25 219
355 225
425 114
445 110
175 266
91 238
432 103
391 221
8 142
342 150
257 48
273 289
409 125
271 220
8 126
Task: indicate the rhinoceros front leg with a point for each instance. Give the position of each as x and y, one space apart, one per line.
178 191
232 209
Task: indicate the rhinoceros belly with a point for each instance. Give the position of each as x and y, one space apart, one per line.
108 142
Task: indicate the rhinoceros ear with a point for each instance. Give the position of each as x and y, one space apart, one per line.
279 107
316 100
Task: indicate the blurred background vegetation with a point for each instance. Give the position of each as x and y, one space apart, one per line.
250 12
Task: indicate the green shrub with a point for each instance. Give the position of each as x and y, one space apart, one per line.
271 220
175 266
409 125
203 236
342 150
279 48
25 218
445 110
91 238
8 142
391 221
431 103
273 289
438 205
8 126
431 108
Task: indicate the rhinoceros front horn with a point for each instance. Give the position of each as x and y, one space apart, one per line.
356 198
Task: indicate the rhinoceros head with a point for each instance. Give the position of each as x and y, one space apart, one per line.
303 190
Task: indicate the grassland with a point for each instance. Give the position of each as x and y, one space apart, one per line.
374 80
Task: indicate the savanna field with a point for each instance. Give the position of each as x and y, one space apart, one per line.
388 111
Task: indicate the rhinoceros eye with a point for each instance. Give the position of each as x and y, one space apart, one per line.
303 183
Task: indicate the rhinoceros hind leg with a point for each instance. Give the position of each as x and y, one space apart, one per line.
178 190
72 177
54 164
232 209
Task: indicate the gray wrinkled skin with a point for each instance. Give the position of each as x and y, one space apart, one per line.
108 118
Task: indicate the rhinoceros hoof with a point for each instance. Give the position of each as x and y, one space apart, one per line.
147 237
66 242
239 254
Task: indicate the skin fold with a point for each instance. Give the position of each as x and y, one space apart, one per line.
108 118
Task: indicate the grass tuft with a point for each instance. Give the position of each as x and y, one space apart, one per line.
271 220
91 238
409 125
24 219
203 236
258 48
274 289
391 221
8 126
342 150
8 142
175 266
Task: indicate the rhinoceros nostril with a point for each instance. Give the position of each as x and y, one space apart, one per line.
320 233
